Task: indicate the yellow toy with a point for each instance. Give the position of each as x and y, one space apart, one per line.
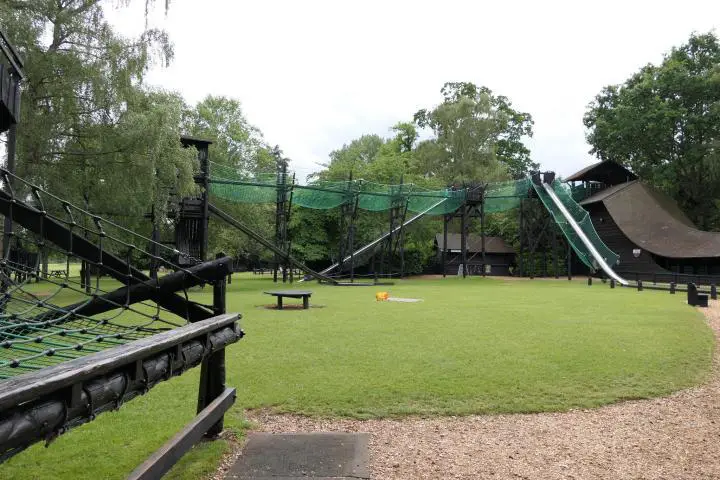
381 296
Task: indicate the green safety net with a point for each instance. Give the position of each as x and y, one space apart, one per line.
230 184
246 193
503 196
439 202
582 218
376 197
580 192
323 195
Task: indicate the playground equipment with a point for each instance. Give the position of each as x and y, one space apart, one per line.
592 250
70 351
466 202
350 196
69 355
383 237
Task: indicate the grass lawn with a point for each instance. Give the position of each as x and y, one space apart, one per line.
472 346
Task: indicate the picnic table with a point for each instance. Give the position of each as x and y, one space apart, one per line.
304 294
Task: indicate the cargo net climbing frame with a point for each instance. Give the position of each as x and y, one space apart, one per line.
50 313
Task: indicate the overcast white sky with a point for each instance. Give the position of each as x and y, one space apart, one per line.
313 75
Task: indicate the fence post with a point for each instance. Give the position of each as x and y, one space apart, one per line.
672 288
589 281
639 285
713 291
212 371
612 283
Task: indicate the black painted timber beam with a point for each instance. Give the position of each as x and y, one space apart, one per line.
58 234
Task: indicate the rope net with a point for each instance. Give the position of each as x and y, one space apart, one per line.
73 283
231 185
503 196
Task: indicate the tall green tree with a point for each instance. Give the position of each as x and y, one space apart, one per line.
89 130
664 123
238 149
353 157
478 135
237 144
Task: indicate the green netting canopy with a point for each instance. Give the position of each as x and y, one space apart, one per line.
323 195
439 202
503 196
229 184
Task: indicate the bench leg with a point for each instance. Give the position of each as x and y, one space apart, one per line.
306 302
279 303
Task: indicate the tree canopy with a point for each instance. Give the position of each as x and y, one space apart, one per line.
664 123
477 135
91 132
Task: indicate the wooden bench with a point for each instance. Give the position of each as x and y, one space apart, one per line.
304 294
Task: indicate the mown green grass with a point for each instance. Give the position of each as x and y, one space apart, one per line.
472 346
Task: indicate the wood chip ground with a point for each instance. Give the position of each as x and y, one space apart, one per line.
676 437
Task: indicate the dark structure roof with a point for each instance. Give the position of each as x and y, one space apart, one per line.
474 243
604 193
607 172
655 223
187 141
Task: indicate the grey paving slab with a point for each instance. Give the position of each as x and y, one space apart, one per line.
310 456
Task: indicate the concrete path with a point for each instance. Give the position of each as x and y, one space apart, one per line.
310 456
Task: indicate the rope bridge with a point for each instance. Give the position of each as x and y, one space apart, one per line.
72 346
229 184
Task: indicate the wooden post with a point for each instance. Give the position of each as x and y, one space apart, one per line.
401 247
556 266
446 219
212 370
521 263
713 291
482 229
353 219
203 156
11 147
463 240
155 237
288 240
569 261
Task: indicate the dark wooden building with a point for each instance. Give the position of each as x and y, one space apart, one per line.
499 256
644 226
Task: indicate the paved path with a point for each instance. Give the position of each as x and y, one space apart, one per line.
308 456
